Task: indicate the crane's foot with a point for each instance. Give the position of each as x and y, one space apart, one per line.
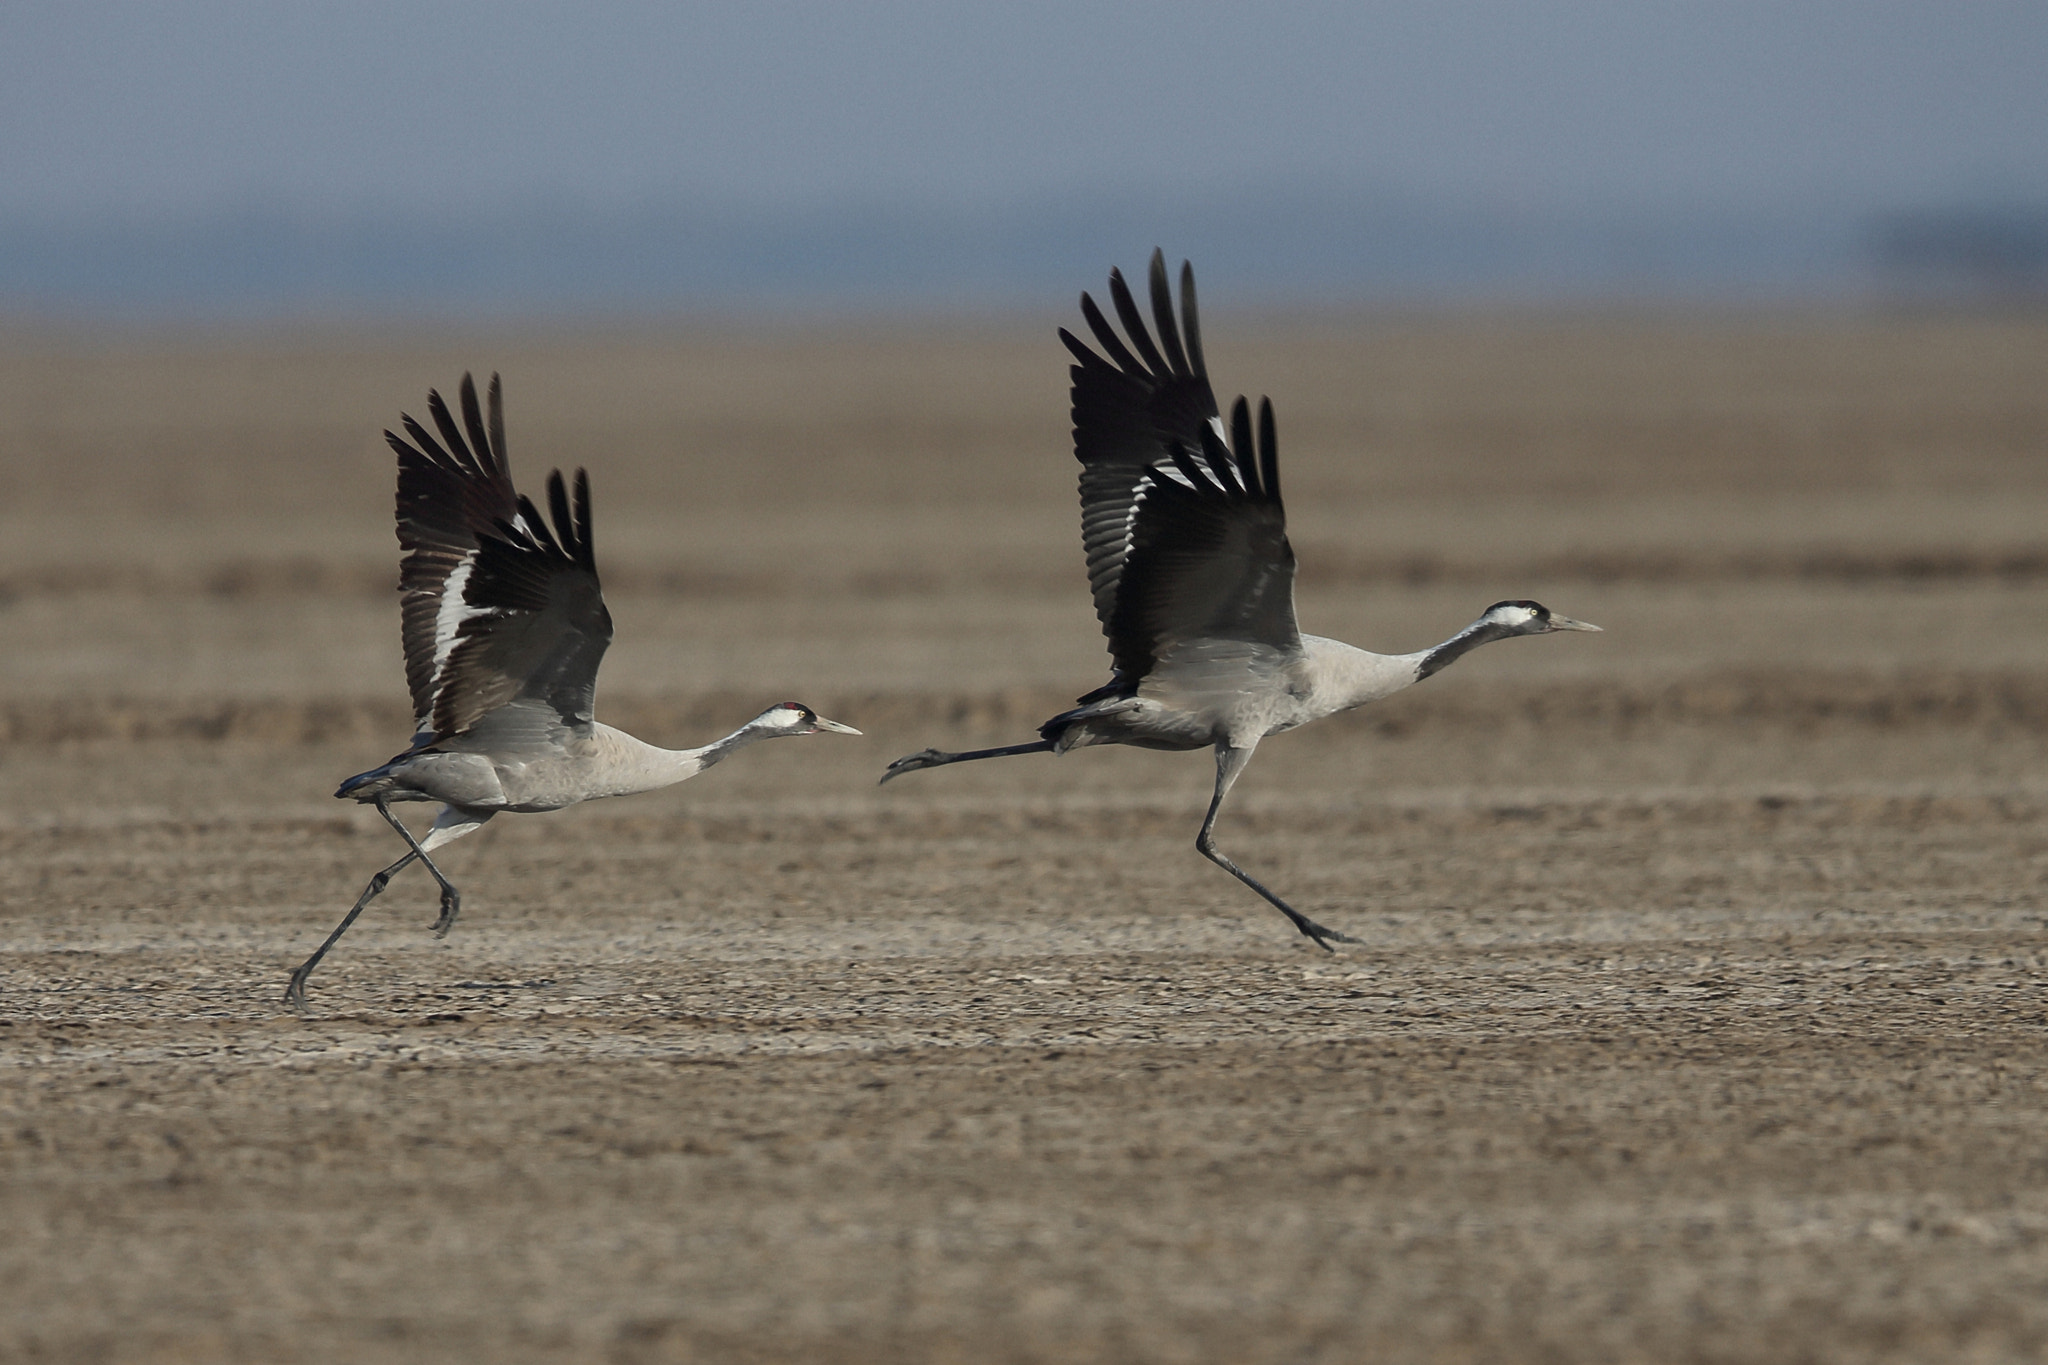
1319 933
295 992
451 906
910 763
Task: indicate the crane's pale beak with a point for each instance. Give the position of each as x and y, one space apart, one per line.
1566 623
836 728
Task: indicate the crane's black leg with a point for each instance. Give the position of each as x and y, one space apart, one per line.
451 899
935 758
1230 762
454 822
295 993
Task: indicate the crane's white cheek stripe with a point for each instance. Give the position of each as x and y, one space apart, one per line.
454 611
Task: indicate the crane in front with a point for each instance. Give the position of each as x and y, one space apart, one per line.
1192 574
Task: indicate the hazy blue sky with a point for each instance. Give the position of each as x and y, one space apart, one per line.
139 110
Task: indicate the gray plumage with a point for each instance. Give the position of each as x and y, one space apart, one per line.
1192 574
504 625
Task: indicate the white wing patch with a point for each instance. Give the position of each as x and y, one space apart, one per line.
453 613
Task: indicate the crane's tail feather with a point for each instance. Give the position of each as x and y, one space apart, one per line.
936 758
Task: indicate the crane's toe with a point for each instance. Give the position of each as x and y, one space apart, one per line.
910 763
1322 935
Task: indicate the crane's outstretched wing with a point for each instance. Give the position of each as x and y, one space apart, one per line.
1184 529
496 607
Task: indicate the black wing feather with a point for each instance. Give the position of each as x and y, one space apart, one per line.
531 620
446 499
1105 335
1134 321
541 626
1162 317
1196 365
1185 535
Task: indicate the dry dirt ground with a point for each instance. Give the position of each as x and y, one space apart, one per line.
1700 1014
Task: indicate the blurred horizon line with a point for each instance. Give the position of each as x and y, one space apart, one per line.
1269 248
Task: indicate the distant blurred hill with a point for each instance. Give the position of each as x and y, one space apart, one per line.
1262 248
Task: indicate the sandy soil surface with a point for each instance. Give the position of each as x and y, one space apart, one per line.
1700 1016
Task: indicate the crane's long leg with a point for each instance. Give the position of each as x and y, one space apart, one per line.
935 758
453 823
295 993
1230 761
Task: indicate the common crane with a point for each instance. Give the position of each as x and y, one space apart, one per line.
504 626
1193 576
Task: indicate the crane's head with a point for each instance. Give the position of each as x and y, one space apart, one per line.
794 718
1526 618
1501 621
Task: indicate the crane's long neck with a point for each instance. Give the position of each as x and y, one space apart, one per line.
633 765
1470 638
1342 676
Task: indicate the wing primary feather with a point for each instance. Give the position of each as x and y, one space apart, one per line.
558 505
1106 334
1162 313
1269 451
1247 457
427 444
1190 329
1082 355
586 544
497 411
451 434
1241 426
1134 322
473 419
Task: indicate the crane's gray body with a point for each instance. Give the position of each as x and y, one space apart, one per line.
1235 692
536 764
1201 693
